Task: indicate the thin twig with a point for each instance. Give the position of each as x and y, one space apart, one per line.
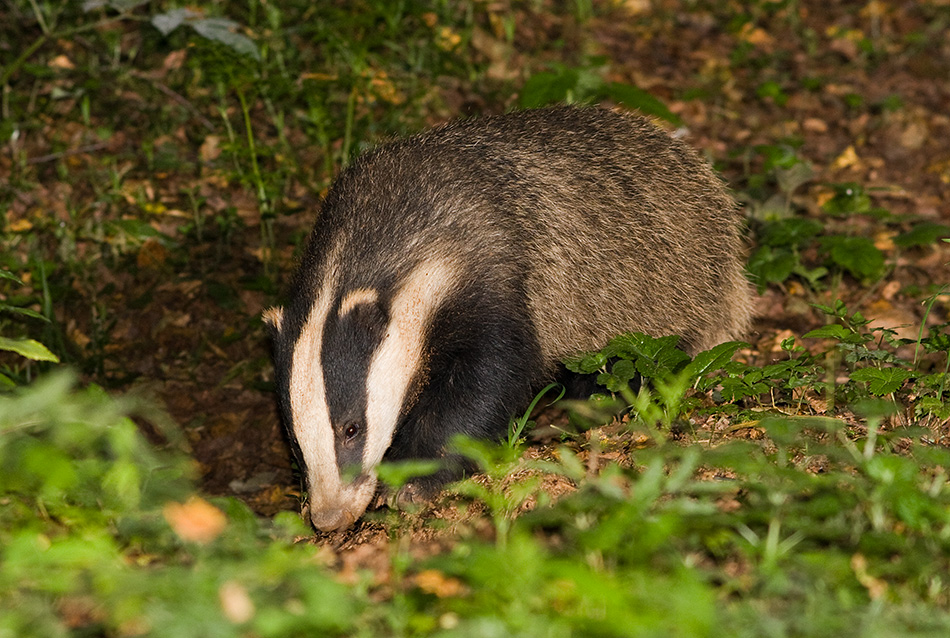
208 124
72 151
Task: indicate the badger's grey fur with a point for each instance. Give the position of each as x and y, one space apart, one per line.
449 272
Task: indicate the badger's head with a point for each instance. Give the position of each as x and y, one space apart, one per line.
345 367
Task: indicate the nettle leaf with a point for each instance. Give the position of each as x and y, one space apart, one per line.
29 348
654 357
794 231
171 20
736 388
714 358
637 99
222 30
548 87
857 255
831 331
923 235
770 265
586 363
849 199
217 29
621 373
882 381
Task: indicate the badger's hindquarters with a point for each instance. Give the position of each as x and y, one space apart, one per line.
449 272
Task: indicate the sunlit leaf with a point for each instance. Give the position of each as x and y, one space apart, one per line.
29 348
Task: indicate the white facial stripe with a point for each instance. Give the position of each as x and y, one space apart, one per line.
309 410
400 354
358 296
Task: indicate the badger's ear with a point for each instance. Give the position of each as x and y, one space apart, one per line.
274 318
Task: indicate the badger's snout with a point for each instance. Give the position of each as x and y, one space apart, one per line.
332 519
330 512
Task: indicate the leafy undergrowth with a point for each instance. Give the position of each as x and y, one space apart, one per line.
160 169
805 530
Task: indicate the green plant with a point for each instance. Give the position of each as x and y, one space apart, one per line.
22 346
503 496
520 424
651 376
587 84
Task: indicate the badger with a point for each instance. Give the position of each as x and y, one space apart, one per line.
449 273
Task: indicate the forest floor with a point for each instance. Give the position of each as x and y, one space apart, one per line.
859 91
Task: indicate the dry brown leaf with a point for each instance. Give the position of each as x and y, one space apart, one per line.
635 7
432 581
875 586
914 135
174 60
61 62
210 149
884 240
196 520
152 254
235 602
20 226
756 36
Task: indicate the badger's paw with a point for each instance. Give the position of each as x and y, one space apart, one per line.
410 497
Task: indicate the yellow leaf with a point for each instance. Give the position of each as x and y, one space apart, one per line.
847 159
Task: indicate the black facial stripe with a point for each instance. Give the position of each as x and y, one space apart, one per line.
349 342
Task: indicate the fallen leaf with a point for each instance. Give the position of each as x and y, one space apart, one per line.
235 602
884 240
210 148
432 581
914 136
196 520
847 159
875 586
174 60
61 62
152 254
756 36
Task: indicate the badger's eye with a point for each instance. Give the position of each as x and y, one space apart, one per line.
350 432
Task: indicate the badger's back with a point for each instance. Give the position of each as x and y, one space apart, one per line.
605 222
